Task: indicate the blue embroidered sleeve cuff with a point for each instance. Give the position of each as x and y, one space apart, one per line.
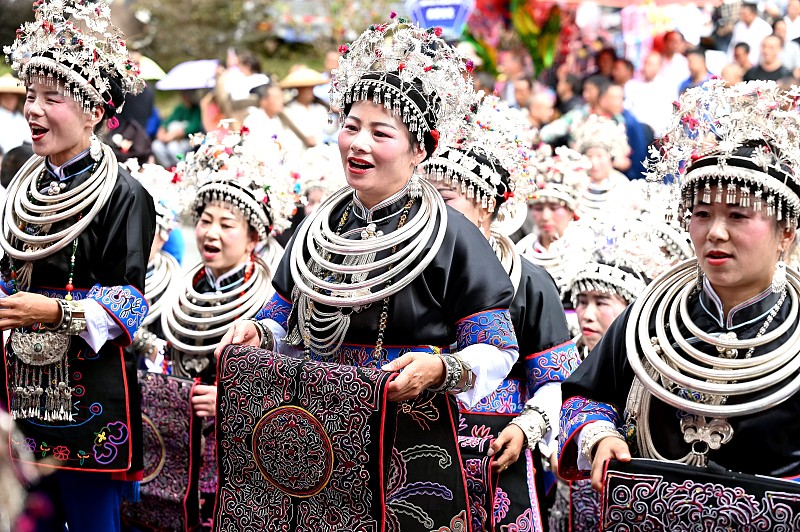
277 309
551 365
491 327
575 413
125 304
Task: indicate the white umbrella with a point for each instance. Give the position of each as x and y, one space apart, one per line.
197 74
149 69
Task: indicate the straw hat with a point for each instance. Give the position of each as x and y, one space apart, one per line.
303 77
11 85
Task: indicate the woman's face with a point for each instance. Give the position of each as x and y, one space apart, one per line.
596 312
737 247
376 152
224 239
469 208
551 220
601 163
60 129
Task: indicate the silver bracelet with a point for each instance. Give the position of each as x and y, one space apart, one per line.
77 322
592 436
267 339
62 324
453 371
534 424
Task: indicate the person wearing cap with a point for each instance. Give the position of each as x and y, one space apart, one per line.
77 234
689 373
268 120
487 161
449 289
306 114
15 130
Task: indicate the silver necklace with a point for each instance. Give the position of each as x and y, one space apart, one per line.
166 270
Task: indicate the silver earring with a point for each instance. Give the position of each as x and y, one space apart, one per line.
700 277
779 277
415 186
95 148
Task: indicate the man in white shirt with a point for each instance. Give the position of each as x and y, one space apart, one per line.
792 20
750 29
674 65
649 98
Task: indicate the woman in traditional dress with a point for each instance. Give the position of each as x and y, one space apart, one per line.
701 369
77 232
384 274
232 192
490 161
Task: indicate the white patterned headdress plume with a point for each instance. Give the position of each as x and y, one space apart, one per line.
407 69
249 176
601 132
558 178
485 157
73 45
743 140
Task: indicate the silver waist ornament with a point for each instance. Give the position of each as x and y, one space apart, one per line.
695 383
193 322
348 287
41 369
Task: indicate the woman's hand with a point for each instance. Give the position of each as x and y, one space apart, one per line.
24 309
507 447
204 400
420 371
241 332
608 448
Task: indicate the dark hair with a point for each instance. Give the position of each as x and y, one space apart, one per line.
13 161
607 51
698 52
411 90
601 82
262 90
573 82
627 62
750 6
250 60
527 80
744 46
604 89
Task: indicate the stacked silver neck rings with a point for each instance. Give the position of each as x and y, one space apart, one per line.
348 286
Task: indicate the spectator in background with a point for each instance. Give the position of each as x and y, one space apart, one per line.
511 68
322 92
483 81
741 56
14 128
622 72
604 63
523 89
732 73
306 115
265 120
541 108
567 89
770 67
649 98
674 65
610 103
725 16
172 139
698 71
792 20
790 53
750 29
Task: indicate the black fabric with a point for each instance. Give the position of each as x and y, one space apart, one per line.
758 73
112 251
656 495
464 278
606 376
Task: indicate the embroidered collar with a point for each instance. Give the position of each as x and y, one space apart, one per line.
383 211
753 310
228 280
77 165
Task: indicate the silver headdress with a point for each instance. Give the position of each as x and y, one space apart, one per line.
558 178
601 132
72 44
248 176
623 261
744 140
410 70
485 157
